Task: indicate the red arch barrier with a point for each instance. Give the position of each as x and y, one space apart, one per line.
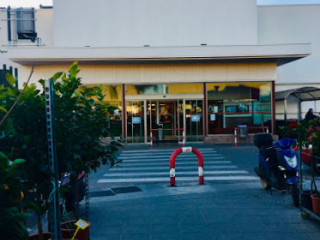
173 164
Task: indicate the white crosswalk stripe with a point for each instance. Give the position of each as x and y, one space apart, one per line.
152 166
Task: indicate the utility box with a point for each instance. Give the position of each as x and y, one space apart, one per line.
242 130
160 132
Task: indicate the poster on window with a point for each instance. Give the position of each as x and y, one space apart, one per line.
212 117
195 118
136 120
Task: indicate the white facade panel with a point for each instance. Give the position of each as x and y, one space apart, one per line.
127 23
3 27
160 73
44 26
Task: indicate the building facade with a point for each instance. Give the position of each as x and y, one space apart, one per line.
202 68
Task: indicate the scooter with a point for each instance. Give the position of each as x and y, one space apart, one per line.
68 193
278 165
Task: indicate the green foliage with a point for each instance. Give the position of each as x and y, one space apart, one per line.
10 79
286 132
81 124
309 134
11 220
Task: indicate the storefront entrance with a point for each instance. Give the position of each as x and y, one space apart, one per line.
166 118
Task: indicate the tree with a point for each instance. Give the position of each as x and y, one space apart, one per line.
80 124
11 219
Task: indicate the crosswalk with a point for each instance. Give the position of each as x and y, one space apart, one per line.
152 166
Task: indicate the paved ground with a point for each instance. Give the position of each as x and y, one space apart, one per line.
221 209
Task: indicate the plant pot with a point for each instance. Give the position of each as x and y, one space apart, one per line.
306 200
316 204
46 236
306 155
68 229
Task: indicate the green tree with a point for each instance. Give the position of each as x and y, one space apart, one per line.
11 218
81 124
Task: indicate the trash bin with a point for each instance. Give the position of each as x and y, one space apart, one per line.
242 130
160 132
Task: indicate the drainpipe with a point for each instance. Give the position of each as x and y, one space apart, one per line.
9 23
16 77
299 108
285 110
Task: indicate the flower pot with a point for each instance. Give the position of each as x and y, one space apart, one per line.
306 155
316 204
46 236
68 229
306 200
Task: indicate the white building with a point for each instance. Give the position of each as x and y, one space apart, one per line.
203 66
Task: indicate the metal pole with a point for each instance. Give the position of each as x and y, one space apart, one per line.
235 138
299 108
285 110
54 208
86 178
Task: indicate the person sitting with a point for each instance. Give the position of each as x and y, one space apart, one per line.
310 115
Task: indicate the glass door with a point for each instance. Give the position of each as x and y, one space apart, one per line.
194 120
167 115
135 121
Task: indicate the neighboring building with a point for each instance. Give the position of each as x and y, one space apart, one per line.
283 24
204 66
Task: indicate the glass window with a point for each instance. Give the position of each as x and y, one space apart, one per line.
144 89
184 88
135 122
194 120
233 104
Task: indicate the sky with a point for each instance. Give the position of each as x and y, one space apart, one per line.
36 3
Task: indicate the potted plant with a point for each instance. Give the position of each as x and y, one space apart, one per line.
23 135
81 120
11 218
309 136
81 123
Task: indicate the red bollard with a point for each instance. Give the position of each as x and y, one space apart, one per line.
173 164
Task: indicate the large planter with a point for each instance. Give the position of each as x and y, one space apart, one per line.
306 200
46 236
68 229
316 204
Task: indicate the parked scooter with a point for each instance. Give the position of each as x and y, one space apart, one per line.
278 164
69 191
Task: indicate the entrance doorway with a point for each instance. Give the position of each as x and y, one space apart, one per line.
167 118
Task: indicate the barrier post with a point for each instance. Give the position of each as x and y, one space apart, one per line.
235 138
183 138
173 164
151 139
200 165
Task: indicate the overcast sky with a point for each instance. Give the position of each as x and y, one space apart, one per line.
36 3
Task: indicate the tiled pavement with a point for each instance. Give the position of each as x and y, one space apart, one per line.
216 210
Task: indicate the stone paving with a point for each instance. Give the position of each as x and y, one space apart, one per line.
200 212
190 211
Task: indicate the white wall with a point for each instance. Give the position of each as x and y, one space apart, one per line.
293 24
114 23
